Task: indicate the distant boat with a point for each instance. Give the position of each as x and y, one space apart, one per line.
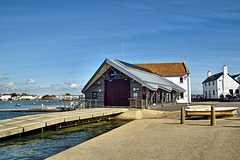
17 105
33 103
48 101
10 102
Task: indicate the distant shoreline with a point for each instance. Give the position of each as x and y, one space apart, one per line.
30 100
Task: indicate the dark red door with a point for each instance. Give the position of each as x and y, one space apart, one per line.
117 92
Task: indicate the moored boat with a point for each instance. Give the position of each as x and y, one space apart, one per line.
219 111
199 106
17 104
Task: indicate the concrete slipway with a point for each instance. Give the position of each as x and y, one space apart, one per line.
19 125
156 139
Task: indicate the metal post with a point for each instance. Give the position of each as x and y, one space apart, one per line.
95 103
146 98
213 116
65 105
182 116
135 102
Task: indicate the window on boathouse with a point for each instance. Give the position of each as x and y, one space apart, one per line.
113 75
94 95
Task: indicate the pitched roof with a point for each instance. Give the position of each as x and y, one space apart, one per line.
216 76
141 75
213 77
234 76
166 69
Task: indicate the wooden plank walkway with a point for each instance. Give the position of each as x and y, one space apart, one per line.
23 124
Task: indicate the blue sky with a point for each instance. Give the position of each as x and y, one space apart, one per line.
55 46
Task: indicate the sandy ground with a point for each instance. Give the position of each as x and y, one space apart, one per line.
134 114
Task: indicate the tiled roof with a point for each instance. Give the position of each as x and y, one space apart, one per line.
166 69
213 77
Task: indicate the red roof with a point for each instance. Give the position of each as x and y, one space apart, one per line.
166 69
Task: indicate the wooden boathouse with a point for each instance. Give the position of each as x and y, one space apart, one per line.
117 83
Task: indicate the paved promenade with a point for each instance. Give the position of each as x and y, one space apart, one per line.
156 139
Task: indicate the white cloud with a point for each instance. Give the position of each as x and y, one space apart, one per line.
67 87
45 87
75 86
11 85
72 85
30 81
8 87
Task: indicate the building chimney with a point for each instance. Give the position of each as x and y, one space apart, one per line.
225 72
225 81
209 73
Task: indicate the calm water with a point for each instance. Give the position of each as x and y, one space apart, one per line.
5 105
43 145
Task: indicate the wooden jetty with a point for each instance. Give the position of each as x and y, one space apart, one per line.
21 125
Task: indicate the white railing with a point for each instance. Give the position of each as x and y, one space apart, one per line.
91 103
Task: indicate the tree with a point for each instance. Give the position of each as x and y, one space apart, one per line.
13 94
24 94
46 97
67 94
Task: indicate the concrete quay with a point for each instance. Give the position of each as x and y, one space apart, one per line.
19 125
155 139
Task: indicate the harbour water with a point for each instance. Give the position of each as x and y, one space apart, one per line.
10 105
51 142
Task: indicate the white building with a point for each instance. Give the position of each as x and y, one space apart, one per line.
16 98
5 97
221 84
30 97
177 73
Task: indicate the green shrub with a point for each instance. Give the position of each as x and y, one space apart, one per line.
228 96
